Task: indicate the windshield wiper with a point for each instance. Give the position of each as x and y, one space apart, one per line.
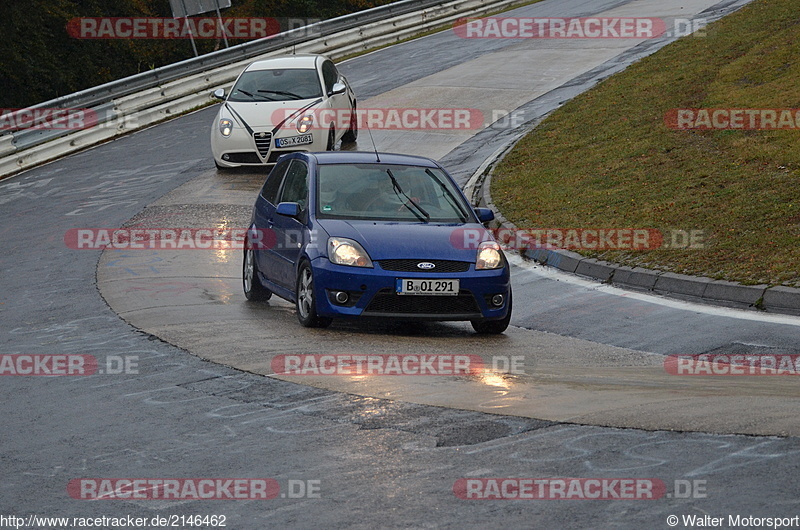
282 93
397 188
246 93
449 195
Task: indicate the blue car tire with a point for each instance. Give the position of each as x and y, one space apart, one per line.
305 300
494 327
253 289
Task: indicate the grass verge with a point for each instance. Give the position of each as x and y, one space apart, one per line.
606 159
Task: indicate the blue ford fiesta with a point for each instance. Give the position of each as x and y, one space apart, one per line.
349 234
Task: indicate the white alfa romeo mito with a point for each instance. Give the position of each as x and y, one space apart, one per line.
283 105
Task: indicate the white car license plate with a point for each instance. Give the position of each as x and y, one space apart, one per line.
294 140
429 287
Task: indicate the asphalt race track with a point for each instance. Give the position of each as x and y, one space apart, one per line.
591 401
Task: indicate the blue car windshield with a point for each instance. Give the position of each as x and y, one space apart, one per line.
277 85
383 192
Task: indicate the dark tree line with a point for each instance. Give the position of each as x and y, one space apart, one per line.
40 61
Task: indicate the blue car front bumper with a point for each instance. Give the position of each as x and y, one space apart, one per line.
371 292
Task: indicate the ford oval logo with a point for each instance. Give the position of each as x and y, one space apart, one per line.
426 265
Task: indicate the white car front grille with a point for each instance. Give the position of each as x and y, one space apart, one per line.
263 142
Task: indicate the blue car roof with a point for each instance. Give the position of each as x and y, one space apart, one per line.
368 157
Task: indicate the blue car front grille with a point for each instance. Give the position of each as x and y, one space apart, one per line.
410 265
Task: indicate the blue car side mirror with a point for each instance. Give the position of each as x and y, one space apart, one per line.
484 214
289 209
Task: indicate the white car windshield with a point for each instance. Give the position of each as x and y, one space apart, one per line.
383 192
277 85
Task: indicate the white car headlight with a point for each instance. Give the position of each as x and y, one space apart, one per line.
305 123
489 256
343 251
225 127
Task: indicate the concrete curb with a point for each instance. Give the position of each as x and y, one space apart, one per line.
776 299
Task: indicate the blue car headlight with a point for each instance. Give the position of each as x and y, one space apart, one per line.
343 251
489 256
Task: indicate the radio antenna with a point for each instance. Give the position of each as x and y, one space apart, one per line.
374 148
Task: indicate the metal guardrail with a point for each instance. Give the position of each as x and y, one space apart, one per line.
143 99
96 96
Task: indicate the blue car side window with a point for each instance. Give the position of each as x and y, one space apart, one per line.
273 182
295 185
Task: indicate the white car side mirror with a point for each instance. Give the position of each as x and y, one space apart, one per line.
338 88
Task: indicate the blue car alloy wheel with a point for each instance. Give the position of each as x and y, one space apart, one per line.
352 235
305 300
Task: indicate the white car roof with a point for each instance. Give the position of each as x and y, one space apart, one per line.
286 61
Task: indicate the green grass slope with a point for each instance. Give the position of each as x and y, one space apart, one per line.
608 160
